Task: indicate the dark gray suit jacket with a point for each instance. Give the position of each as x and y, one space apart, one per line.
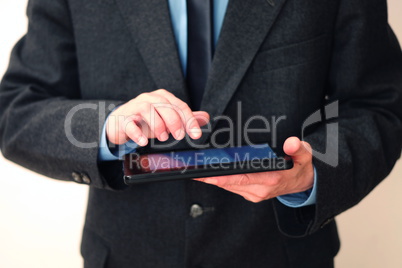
279 57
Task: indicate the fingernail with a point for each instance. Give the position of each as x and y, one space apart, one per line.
195 132
164 136
142 141
179 134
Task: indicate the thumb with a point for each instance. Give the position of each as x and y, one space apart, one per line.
300 151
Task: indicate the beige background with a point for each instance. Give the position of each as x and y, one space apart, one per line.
41 219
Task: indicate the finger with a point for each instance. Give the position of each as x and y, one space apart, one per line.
268 179
152 118
116 127
145 129
186 114
300 151
209 180
166 104
113 132
252 192
257 190
222 181
201 117
249 196
172 119
214 181
135 133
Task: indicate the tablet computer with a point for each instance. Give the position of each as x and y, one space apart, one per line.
201 163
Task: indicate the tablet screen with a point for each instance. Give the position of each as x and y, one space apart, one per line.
194 159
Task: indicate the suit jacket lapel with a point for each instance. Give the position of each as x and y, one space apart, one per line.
246 24
151 28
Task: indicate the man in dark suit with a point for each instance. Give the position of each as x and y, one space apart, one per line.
272 58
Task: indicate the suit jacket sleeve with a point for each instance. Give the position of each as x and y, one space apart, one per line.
365 77
39 90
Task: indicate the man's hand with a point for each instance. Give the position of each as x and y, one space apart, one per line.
154 115
257 187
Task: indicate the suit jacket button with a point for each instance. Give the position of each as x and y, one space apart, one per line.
76 177
196 211
85 178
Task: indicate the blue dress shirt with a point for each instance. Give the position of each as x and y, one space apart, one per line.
178 12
